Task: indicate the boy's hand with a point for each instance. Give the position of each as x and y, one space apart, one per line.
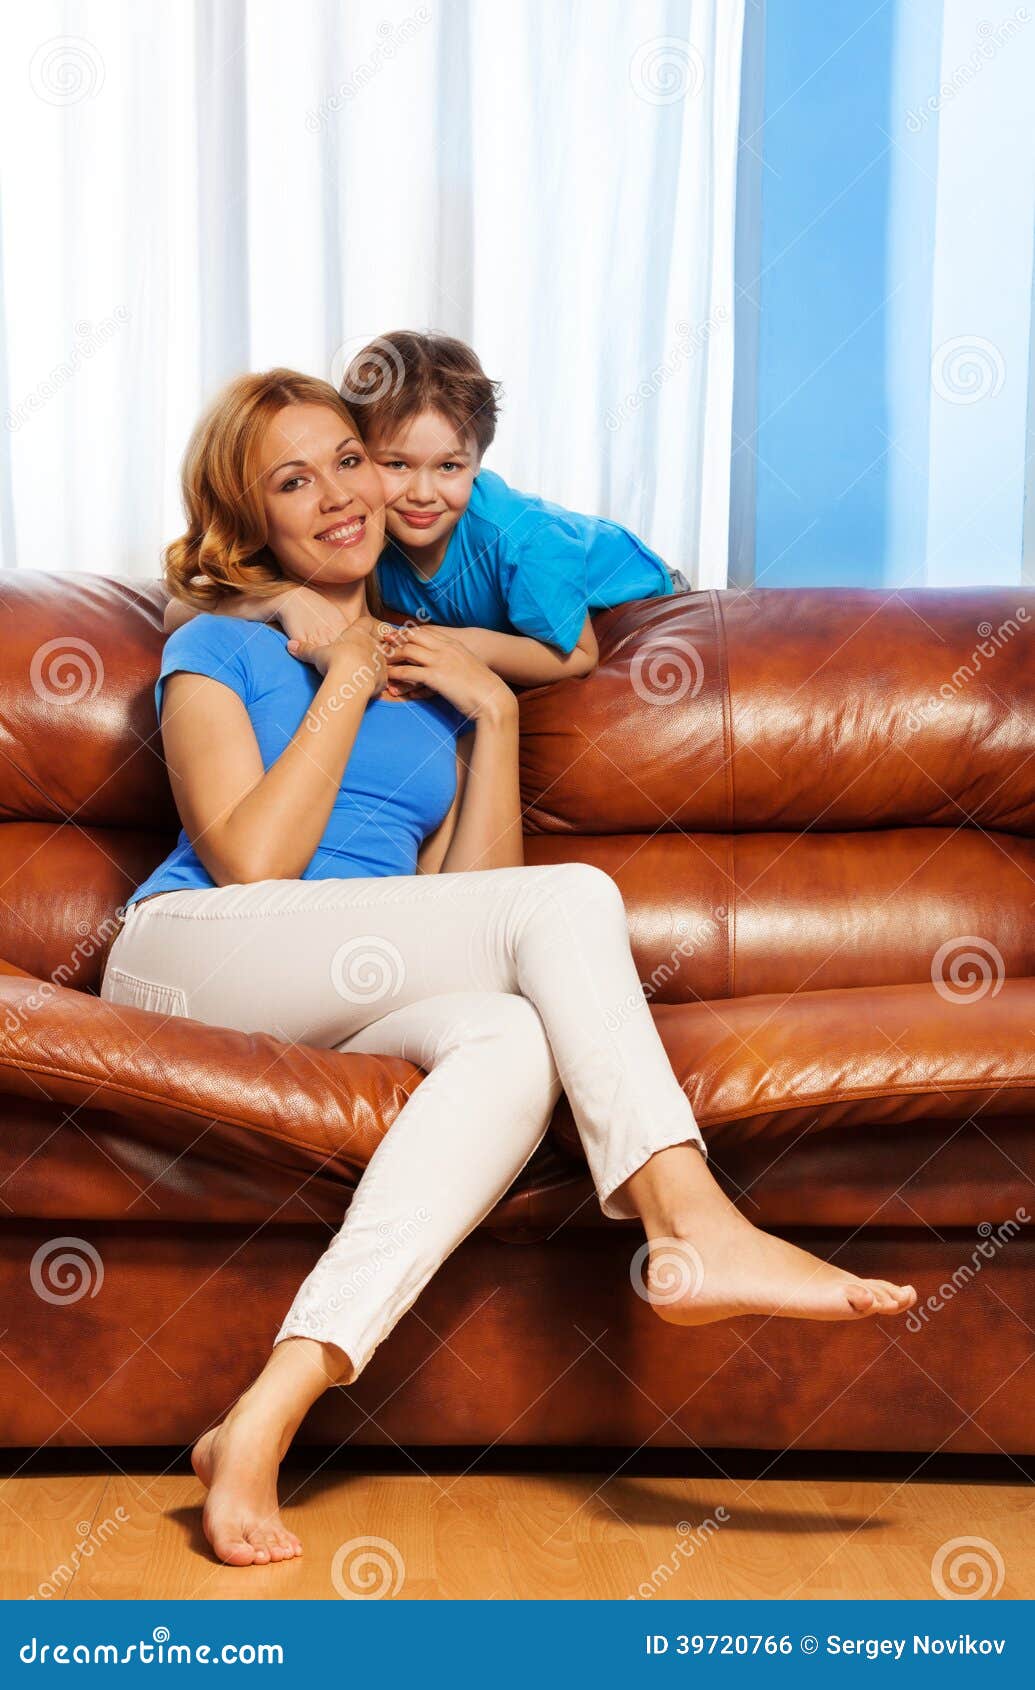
437 658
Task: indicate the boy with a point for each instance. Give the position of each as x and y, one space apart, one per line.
511 576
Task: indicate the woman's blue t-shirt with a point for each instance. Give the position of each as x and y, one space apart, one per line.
520 565
401 774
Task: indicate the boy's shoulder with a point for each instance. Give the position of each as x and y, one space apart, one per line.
509 516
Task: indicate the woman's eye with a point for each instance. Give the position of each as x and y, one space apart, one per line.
289 486
350 458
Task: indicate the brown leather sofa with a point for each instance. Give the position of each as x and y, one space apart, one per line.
819 807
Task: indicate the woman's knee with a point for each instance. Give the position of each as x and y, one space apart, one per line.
584 886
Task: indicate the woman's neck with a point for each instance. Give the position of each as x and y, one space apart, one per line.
349 597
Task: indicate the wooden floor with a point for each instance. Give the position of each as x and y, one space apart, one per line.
556 1534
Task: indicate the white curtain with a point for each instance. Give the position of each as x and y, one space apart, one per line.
194 190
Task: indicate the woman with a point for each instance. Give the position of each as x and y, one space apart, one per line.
350 876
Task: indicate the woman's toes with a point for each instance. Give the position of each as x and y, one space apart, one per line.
861 1298
235 1551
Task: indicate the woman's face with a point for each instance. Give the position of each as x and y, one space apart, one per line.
323 497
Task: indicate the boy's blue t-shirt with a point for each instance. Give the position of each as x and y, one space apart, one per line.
518 564
401 774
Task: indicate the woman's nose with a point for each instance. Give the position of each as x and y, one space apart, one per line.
332 495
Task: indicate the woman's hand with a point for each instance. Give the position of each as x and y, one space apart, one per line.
436 659
355 654
306 615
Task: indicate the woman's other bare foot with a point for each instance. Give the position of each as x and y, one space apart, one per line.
239 1460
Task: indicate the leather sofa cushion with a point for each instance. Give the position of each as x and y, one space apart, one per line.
766 1076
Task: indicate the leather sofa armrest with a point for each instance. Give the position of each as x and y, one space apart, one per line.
184 1082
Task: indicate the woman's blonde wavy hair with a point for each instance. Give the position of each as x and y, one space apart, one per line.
225 549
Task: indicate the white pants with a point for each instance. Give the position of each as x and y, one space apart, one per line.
505 985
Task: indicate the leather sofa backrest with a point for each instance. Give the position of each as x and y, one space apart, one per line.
756 769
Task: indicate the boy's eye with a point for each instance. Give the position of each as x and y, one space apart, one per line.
450 464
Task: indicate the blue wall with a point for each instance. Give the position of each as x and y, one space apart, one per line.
894 293
822 411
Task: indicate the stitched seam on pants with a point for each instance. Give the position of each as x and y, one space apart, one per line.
368 901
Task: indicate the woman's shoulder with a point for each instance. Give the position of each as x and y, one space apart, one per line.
247 656
221 635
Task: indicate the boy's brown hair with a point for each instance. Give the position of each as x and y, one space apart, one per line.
403 373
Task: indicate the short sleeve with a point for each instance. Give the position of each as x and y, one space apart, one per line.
208 645
546 590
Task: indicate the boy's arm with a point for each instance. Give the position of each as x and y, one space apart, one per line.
525 662
308 615
242 605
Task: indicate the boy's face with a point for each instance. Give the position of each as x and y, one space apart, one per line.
427 469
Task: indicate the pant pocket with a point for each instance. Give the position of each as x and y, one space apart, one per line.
122 988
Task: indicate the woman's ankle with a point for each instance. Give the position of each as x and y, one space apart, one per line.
675 1191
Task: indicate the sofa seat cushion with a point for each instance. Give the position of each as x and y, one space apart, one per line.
116 1113
823 1080
884 1106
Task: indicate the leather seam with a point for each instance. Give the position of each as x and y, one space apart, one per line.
864 1092
726 702
186 1108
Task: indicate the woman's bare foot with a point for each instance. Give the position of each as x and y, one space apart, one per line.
723 1267
706 1262
238 1461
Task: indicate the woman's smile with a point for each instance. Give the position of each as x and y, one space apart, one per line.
344 533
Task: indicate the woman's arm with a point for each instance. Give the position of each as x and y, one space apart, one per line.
245 823
482 828
525 662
